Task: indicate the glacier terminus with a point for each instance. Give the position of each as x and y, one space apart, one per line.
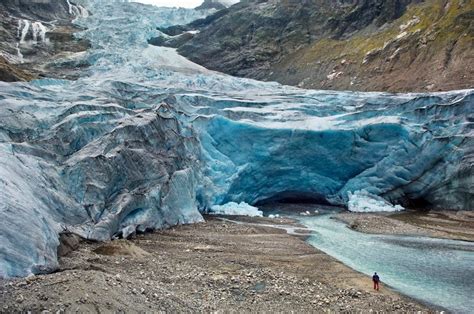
145 139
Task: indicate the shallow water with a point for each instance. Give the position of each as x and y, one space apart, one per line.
436 271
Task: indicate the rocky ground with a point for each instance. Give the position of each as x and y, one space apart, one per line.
214 266
458 225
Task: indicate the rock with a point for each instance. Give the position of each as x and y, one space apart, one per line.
68 242
277 40
29 57
12 73
20 299
121 247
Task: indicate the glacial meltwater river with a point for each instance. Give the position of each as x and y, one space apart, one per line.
435 271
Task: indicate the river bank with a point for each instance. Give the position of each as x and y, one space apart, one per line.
214 266
435 270
454 225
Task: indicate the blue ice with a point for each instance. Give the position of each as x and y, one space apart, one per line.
146 139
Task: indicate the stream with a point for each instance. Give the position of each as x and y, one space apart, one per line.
438 272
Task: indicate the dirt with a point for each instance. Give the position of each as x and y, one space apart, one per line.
214 266
456 225
379 224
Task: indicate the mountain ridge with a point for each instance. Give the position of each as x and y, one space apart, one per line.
370 45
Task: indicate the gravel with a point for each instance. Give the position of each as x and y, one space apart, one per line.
215 266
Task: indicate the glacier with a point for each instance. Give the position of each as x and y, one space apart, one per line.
235 209
146 139
364 202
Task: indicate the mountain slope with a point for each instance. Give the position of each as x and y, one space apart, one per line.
396 45
36 37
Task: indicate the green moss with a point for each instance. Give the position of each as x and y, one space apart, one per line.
436 20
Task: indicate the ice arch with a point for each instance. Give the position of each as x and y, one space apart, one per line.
250 158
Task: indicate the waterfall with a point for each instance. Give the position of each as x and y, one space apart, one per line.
24 31
18 53
69 7
18 31
77 10
39 30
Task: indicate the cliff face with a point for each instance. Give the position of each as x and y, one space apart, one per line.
396 45
36 36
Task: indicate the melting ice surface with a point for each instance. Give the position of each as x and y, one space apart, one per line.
440 272
146 139
362 201
232 208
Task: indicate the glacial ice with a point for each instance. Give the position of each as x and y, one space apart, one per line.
235 209
364 202
146 139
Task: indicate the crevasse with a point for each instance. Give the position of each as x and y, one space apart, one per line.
146 139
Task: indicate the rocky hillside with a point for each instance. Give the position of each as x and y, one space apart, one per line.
395 45
36 39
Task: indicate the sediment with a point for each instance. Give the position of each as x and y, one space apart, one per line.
214 266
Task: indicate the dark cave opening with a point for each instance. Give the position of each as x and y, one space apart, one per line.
419 204
290 203
294 197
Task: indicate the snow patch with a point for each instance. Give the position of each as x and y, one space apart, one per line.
235 209
364 202
334 75
228 3
163 57
401 35
415 20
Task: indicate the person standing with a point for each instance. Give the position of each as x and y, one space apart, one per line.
376 280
